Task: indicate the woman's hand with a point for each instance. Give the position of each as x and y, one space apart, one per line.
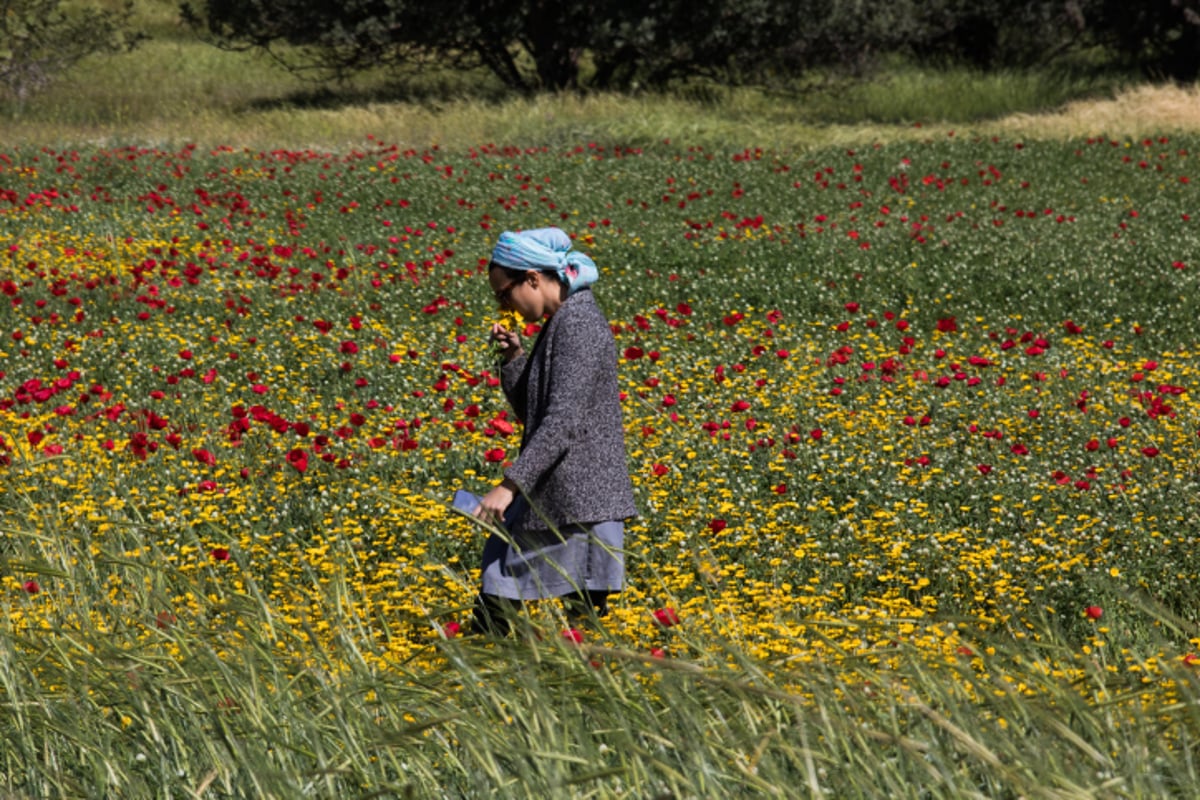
496 502
509 341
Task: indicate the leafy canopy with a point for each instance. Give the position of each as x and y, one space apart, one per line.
533 45
40 39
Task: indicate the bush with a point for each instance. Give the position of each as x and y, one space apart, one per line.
39 39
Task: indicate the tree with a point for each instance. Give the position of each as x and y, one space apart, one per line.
1161 37
530 45
40 39
534 45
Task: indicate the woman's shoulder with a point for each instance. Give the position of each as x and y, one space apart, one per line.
580 319
582 304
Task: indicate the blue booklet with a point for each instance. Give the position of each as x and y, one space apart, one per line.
466 502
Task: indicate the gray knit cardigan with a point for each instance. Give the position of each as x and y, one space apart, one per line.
572 465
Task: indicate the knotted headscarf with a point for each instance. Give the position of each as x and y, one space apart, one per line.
546 248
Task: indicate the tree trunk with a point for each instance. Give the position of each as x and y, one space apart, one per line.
551 45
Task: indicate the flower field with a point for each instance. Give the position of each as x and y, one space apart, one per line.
897 401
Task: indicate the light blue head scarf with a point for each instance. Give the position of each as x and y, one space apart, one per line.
546 248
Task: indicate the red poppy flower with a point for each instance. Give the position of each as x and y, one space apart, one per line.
495 455
666 617
1094 612
297 459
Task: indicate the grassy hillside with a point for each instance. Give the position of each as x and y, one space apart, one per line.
175 88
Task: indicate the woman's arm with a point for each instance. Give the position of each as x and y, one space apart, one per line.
512 366
513 382
574 359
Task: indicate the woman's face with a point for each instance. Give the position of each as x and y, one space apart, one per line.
521 294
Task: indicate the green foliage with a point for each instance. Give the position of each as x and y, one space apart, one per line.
1161 37
626 44
528 45
39 39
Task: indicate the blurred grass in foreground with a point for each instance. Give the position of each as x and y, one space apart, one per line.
265 711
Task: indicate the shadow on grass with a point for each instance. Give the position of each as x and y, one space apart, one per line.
424 90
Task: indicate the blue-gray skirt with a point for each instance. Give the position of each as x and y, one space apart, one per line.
531 565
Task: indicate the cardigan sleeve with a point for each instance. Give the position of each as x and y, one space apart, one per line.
513 381
574 361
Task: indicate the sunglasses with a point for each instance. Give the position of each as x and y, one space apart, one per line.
504 296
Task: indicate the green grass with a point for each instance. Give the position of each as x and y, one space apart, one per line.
268 712
309 663
903 94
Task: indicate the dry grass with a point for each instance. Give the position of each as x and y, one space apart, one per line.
1140 111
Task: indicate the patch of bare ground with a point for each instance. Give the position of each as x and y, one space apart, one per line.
1141 111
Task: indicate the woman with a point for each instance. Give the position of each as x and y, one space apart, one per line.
565 498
